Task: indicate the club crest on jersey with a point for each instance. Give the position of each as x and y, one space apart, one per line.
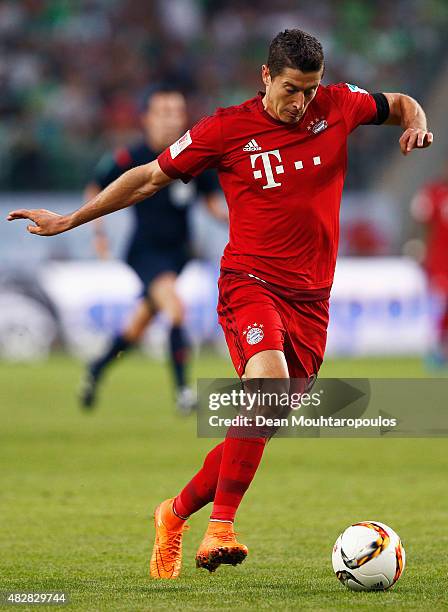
254 333
181 144
252 145
317 125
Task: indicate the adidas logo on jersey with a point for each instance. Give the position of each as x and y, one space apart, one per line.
252 145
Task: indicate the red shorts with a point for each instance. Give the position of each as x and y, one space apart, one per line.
256 316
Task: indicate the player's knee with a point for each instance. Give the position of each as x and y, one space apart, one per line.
178 314
136 326
134 331
131 336
174 311
267 364
164 296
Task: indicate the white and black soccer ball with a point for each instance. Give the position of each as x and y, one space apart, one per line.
368 556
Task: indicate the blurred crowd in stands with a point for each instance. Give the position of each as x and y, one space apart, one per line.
73 74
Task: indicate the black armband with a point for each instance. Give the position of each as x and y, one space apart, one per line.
382 108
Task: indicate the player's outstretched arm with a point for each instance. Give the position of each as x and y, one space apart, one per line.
407 112
134 185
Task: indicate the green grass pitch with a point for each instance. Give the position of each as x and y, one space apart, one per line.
77 493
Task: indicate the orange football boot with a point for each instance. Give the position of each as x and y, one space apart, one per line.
166 557
220 546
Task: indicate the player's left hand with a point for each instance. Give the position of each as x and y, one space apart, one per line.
415 138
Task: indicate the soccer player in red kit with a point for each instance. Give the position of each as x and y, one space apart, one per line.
281 158
430 207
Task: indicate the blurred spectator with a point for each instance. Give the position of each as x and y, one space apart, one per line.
365 239
430 208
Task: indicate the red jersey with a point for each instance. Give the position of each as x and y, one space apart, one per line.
430 206
283 183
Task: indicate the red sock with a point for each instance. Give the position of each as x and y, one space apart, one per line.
201 489
240 460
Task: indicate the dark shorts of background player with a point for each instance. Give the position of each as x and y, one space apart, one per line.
257 316
148 264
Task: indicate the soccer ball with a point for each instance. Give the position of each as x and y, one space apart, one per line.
368 556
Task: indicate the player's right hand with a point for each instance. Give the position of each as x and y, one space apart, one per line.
415 138
46 223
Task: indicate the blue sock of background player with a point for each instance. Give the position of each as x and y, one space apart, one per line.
95 370
179 346
179 349
117 346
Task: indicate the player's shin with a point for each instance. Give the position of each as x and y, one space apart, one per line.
240 460
244 446
202 487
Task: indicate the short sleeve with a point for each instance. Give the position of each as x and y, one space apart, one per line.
422 208
357 105
111 167
198 149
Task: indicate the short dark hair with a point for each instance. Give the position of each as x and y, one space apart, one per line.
161 87
295 49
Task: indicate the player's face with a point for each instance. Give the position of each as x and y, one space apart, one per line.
165 119
289 93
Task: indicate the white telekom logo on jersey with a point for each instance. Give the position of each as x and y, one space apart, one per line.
278 168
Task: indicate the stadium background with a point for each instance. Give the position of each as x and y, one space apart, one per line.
73 76
76 490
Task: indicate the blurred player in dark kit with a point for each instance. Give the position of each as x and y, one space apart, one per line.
160 243
430 208
281 158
